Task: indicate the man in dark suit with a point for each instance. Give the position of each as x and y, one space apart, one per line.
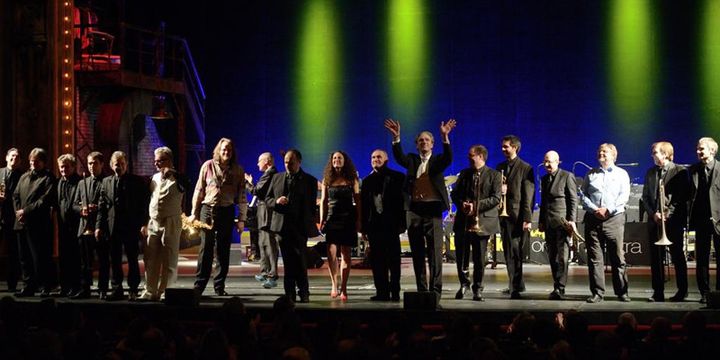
267 243
676 188
705 212
476 196
68 220
292 199
122 212
86 201
519 191
425 201
558 206
9 177
383 220
33 199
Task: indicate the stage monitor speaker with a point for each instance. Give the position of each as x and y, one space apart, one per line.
420 300
713 300
181 297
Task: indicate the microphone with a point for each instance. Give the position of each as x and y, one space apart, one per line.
632 164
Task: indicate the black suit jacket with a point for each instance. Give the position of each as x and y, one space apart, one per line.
83 196
435 168
67 217
677 188
260 190
558 200
136 200
299 214
714 194
388 184
35 195
520 193
487 199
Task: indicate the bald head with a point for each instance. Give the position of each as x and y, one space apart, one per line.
551 161
265 161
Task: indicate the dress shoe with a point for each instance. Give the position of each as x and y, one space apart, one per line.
515 295
594 299
221 292
477 296
133 294
25 293
380 298
507 291
624 298
116 295
148 296
556 295
678 297
103 295
304 298
395 297
656 298
703 298
44 293
461 292
270 283
82 294
261 278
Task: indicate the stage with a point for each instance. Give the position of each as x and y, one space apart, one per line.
497 307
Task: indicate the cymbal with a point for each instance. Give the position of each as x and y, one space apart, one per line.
451 179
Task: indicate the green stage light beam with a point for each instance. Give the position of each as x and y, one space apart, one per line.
408 70
710 67
319 80
632 66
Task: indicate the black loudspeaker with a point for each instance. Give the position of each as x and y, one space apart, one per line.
713 300
181 297
422 300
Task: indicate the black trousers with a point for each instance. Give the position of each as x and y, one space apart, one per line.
89 247
465 244
512 250
69 258
127 239
10 238
215 241
425 233
558 249
35 248
609 233
674 233
293 246
704 234
385 259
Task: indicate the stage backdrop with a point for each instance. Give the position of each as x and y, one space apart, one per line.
565 75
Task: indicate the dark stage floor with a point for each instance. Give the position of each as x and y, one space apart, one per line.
497 307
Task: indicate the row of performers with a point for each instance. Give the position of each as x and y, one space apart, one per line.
101 217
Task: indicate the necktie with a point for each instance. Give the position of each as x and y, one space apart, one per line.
423 166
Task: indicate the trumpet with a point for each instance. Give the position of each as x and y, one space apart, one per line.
473 216
91 213
663 239
503 199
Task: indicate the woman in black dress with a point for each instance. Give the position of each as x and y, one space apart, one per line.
340 198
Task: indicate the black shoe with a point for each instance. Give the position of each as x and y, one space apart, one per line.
25 293
461 292
624 298
81 294
477 296
380 298
515 295
103 295
703 298
656 298
45 293
556 295
221 292
304 298
116 295
133 294
678 297
395 297
594 299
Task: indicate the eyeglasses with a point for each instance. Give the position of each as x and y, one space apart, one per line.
158 161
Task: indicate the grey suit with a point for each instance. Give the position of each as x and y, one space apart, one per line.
267 243
558 201
88 192
705 220
483 188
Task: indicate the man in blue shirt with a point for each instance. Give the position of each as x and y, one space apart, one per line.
605 192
